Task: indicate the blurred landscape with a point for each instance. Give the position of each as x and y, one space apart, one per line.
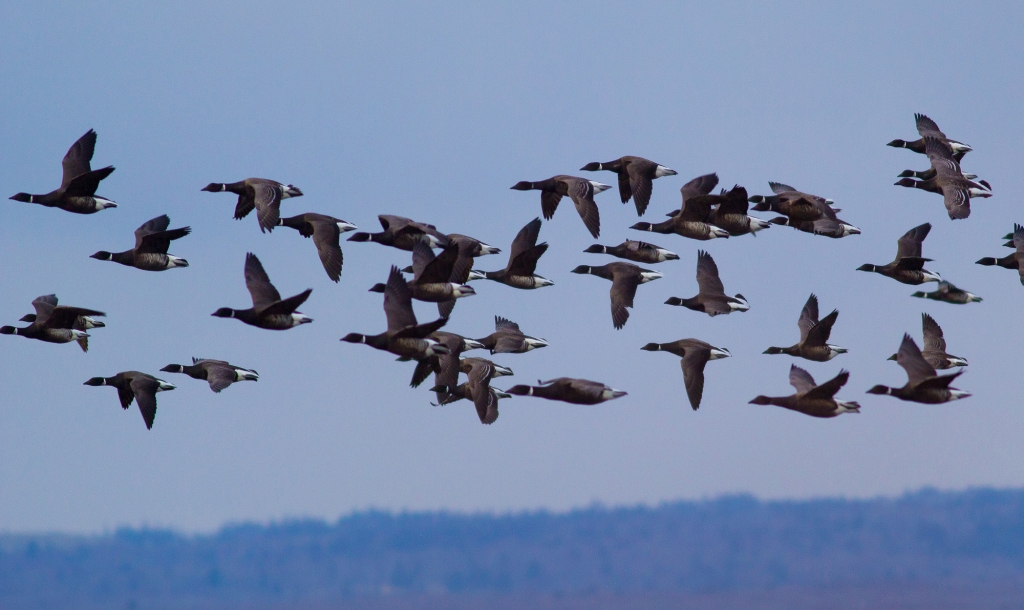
928 549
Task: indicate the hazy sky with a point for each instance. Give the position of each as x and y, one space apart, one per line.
433 113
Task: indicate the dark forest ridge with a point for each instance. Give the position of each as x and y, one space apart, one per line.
727 545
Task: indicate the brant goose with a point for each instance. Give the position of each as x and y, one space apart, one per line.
827 224
444 366
430 275
810 398
508 339
934 351
259 193
268 309
908 266
636 175
150 252
814 335
923 384
950 294
477 388
77 192
54 323
404 337
402 233
1011 261
636 251
927 128
140 387
522 261
949 181
218 373
711 299
567 389
580 190
695 354
326 233
691 219
469 249
625 278
731 214
790 202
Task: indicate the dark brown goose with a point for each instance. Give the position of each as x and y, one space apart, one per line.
469 249
625 278
567 389
788 201
488 414
695 355
923 385
508 339
928 128
950 294
140 387
636 251
326 233
77 192
152 240
949 181
934 351
404 337
711 299
218 373
1011 261
908 266
522 261
54 323
731 214
810 398
260 194
268 309
402 233
636 176
828 224
691 219
477 388
445 367
580 190
430 275
814 335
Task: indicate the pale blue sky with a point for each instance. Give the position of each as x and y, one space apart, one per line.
434 113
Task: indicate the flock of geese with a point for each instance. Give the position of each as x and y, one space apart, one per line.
443 278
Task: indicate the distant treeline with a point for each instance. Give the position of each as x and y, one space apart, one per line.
729 544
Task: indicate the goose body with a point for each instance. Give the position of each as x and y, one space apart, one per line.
403 233
949 293
405 337
431 274
949 180
928 128
788 201
731 214
923 385
636 175
152 240
258 194
53 323
138 387
567 389
488 414
268 309
908 266
695 354
625 278
692 218
810 398
814 335
711 299
508 339
522 261
934 351
218 373
580 190
636 251
445 367
1014 260
77 192
326 233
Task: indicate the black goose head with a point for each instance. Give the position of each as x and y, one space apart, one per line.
173 368
907 182
360 236
591 167
522 185
378 288
354 338
597 249
652 347
102 255
520 390
214 187
880 389
761 400
897 143
224 312
8 330
584 269
96 381
866 267
24 197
